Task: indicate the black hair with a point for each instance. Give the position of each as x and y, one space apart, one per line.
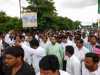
69 49
94 57
77 36
20 36
93 36
15 51
49 62
34 42
80 40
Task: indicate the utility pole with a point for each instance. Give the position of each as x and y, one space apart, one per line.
98 13
20 8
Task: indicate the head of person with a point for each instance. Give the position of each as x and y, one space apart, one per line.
49 65
53 39
91 61
83 35
89 38
13 56
44 38
29 36
34 43
93 39
69 51
59 38
79 43
71 37
76 37
64 38
22 38
19 39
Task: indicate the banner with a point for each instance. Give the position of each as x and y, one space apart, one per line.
29 19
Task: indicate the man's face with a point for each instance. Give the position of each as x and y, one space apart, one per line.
44 39
66 56
47 72
78 44
53 40
93 40
89 63
10 60
30 38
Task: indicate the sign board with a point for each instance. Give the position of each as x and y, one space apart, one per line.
29 19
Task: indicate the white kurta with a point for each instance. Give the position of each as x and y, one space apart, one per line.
8 40
73 66
68 42
38 54
80 53
44 45
26 43
61 73
27 53
87 72
33 56
1 47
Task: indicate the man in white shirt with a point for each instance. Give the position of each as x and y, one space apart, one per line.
49 65
1 46
65 42
8 40
80 50
73 64
90 66
34 53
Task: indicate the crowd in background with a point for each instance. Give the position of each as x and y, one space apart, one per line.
77 52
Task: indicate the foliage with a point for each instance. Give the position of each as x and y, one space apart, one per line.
7 23
47 16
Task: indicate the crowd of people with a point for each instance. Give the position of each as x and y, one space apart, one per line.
50 53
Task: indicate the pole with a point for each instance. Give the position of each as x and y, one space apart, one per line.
20 8
98 23
98 14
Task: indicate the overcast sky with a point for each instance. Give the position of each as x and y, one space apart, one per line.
83 10
11 7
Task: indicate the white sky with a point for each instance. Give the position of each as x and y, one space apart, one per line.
11 7
83 10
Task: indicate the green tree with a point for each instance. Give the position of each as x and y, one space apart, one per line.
47 16
76 24
45 10
7 23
